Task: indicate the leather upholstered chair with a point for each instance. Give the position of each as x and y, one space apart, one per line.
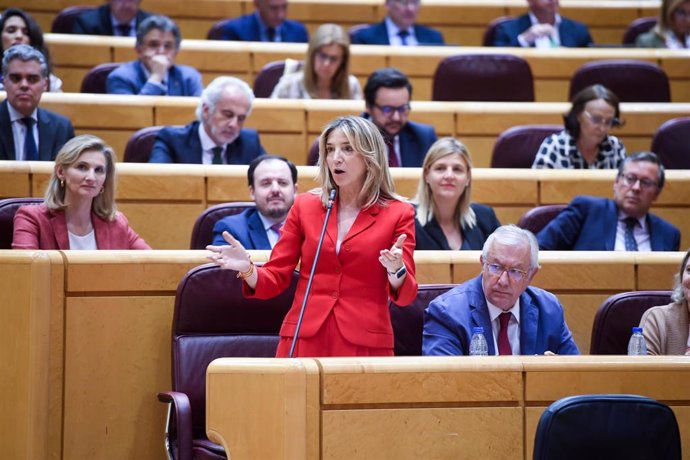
139 146
539 217
8 208
408 322
202 233
517 147
313 155
490 32
212 319
616 317
63 23
638 27
630 80
672 143
607 426
483 77
268 78
94 80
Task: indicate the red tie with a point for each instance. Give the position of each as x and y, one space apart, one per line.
392 157
503 342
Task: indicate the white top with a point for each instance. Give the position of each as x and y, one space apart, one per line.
513 325
86 242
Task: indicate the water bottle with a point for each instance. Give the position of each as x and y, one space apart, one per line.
478 346
637 345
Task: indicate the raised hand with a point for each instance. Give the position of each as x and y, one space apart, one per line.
391 259
232 256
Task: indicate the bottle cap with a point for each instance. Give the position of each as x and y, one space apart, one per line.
477 330
637 329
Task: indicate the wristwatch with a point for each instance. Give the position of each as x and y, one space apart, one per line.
399 274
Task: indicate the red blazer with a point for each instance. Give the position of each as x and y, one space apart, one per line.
352 284
37 227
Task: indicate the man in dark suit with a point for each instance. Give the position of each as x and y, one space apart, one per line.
154 72
217 137
268 23
272 185
621 224
542 27
387 95
518 319
399 28
27 132
116 17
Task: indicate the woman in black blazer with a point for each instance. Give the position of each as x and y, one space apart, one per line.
445 218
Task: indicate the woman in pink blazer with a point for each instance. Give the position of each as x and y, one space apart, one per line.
79 208
366 258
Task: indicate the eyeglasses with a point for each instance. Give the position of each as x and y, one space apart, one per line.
389 109
327 58
601 121
681 13
631 179
513 273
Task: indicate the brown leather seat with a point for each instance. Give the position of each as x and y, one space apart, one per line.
517 147
638 27
630 80
139 146
94 80
672 143
202 233
539 217
8 208
490 32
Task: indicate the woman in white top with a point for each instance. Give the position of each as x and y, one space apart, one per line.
672 30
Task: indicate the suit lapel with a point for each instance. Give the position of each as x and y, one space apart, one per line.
6 137
332 227
141 75
45 134
611 222
480 315
257 232
365 219
194 150
102 231
529 317
59 226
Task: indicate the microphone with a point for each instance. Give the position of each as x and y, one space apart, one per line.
329 206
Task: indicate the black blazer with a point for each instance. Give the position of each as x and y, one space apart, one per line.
53 131
430 237
97 21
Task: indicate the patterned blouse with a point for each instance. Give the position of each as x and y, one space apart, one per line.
559 151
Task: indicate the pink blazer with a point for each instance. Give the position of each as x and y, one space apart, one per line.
37 227
352 284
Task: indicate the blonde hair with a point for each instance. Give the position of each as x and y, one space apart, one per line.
366 139
426 207
104 204
329 34
666 16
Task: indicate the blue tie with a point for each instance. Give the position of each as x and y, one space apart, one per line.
30 150
630 243
403 37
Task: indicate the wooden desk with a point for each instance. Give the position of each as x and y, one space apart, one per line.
408 408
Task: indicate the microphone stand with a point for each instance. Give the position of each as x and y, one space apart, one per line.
329 206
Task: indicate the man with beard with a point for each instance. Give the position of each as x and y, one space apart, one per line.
272 185
217 137
387 95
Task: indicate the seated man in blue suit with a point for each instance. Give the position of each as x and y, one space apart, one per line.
217 136
272 185
622 224
518 319
117 17
399 28
268 23
542 27
387 95
155 73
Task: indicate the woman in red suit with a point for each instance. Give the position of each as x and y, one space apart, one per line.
79 208
366 258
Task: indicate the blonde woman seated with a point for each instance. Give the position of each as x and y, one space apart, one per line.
446 220
672 30
326 72
79 208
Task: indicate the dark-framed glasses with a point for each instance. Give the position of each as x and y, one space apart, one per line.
631 179
601 121
514 274
389 109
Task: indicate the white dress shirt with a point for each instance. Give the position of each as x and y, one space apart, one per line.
394 39
640 232
19 131
207 146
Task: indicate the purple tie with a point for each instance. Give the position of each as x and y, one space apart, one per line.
503 342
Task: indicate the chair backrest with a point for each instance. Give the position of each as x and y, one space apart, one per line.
202 233
616 317
356 28
94 80
517 147
8 208
216 30
630 80
408 322
490 32
268 78
483 77
672 143
607 426
139 146
213 319
313 155
538 217
63 23
638 27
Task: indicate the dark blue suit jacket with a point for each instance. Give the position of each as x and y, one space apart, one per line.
572 33
53 131
377 34
247 28
182 145
450 317
130 78
415 140
246 227
430 237
97 21
589 224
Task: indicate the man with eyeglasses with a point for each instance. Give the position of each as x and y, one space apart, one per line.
518 319
399 28
387 95
621 224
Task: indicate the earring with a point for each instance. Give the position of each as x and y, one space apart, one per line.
102 190
62 183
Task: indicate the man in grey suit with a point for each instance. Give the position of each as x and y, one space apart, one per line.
27 132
